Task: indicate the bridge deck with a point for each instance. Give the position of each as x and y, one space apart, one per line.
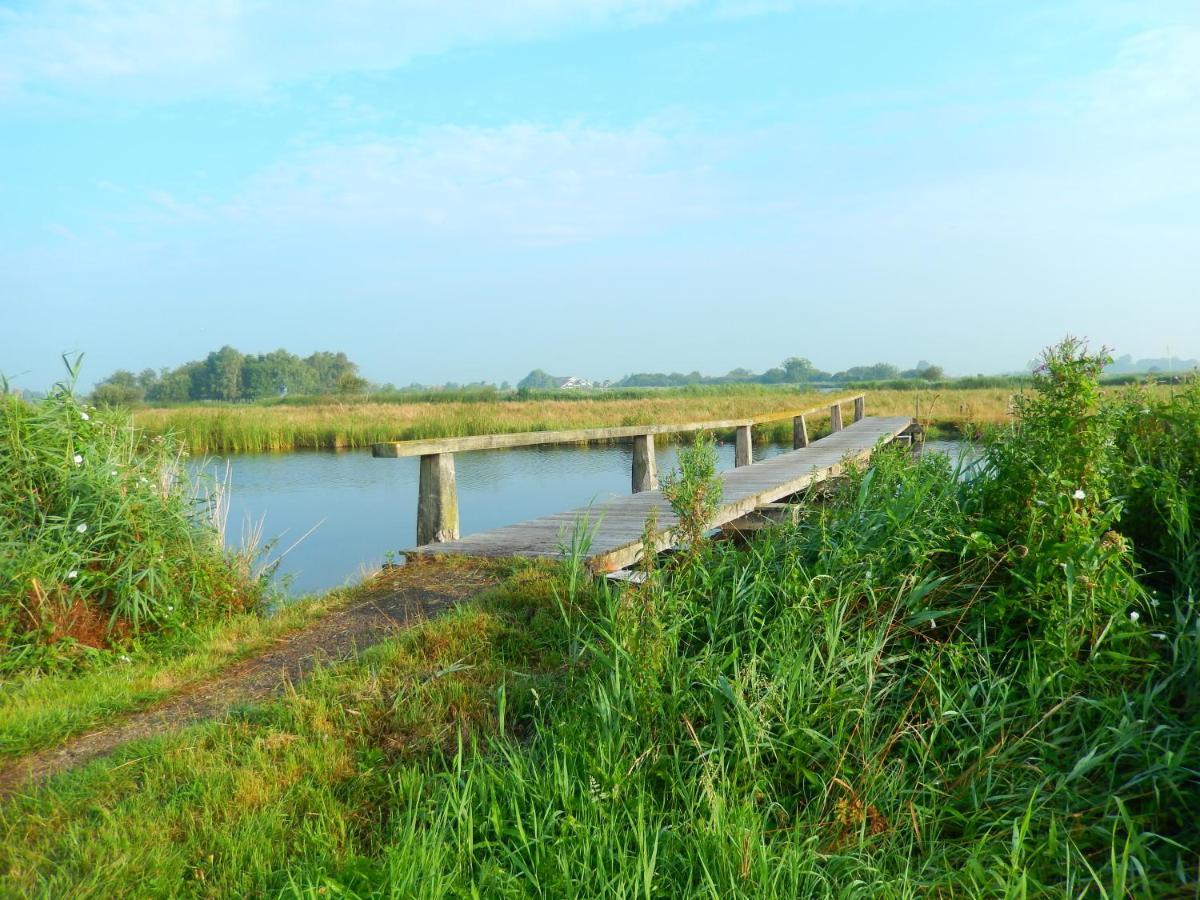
617 524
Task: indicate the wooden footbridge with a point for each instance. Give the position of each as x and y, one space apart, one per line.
616 527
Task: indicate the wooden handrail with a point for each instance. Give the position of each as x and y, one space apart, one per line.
429 446
437 501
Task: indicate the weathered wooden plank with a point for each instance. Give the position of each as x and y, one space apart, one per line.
835 418
860 408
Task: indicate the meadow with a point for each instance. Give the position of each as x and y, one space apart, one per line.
935 683
255 428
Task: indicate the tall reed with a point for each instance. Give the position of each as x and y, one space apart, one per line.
103 536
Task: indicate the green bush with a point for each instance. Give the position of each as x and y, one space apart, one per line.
103 539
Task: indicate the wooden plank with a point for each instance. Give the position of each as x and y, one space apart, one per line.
835 418
860 408
425 446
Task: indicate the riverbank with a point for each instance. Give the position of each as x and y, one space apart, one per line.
270 428
928 685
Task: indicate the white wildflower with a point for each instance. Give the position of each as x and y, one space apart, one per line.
1145 410
113 473
84 416
170 609
78 459
1079 495
1133 616
1154 601
72 575
81 527
126 659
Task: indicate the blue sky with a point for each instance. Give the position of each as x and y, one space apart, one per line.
458 190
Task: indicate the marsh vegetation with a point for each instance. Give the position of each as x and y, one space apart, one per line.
929 684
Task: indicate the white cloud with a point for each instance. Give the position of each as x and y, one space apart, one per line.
204 47
522 184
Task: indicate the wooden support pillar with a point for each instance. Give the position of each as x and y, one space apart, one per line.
437 500
743 449
799 433
835 418
860 408
645 466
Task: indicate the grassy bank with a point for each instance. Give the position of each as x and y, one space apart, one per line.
928 686
250 428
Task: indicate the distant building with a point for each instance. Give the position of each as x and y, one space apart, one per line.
574 383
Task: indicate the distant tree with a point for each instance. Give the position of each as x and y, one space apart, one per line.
223 370
799 370
327 368
174 385
349 384
774 376
877 372
147 380
538 380
121 388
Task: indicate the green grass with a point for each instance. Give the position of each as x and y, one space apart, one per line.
929 686
104 539
38 711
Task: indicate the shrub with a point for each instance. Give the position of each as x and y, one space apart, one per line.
103 539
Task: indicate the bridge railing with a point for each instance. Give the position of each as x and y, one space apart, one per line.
437 498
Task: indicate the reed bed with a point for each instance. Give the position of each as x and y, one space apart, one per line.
261 429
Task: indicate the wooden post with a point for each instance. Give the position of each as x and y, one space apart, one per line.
860 408
835 418
437 500
645 466
743 449
799 433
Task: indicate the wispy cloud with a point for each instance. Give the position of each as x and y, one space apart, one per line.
524 185
182 48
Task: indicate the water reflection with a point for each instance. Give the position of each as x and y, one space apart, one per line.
366 507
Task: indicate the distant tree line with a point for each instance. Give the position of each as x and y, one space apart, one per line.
794 370
229 375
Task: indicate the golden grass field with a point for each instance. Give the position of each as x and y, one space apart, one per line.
250 429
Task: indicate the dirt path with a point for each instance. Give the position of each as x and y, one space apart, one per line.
395 600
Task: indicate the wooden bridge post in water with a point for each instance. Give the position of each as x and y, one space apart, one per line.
743 447
799 433
437 500
645 467
860 408
835 418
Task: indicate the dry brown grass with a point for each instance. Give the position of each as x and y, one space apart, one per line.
240 429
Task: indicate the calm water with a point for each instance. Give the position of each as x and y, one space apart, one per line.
363 507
